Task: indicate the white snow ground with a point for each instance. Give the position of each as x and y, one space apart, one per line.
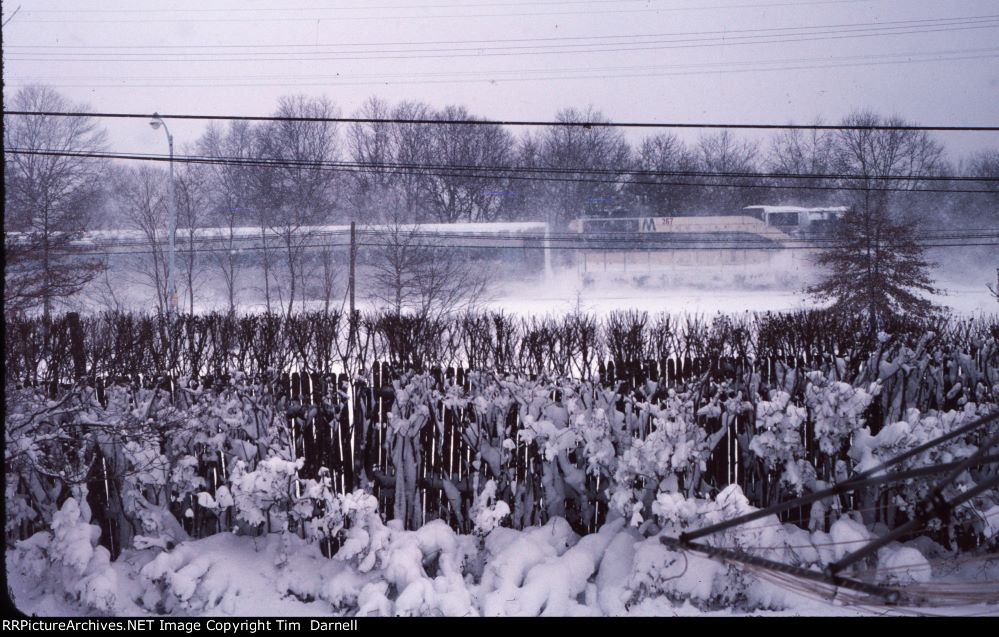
564 295
547 570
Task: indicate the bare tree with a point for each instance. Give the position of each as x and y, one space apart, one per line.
973 209
664 153
372 144
574 150
329 276
410 271
192 205
409 143
388 151
231 200
798 152
453 192
877 267
141 203
724 153
49 200
299 193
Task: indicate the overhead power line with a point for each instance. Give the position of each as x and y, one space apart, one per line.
512 75
569 175
491 41
478 50
423 16
484 122
473 5
907 55
567 170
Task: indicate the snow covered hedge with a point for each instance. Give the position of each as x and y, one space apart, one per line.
416 483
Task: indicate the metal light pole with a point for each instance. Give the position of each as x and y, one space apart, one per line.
156 122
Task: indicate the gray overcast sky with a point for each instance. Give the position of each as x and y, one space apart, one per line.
748 61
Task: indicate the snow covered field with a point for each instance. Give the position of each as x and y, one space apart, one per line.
712 290
567 293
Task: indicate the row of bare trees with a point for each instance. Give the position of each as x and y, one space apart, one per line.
392 172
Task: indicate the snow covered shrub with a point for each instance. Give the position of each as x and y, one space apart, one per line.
263 498
216 573
387 570
903 565
837 410
869 451
510 557
409 415
779 439
46 449
676 449
68 562
367 538
487 512
319 510
686 576
144 485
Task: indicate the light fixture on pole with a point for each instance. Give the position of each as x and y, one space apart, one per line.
156 122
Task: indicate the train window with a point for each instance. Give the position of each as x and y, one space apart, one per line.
611 225
783 218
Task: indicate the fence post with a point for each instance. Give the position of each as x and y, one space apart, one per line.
351 279
76 345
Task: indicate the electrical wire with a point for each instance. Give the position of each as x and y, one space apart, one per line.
227 79
491 77
484 122
481 41
570 170
416 170
437 16
479 51
534 3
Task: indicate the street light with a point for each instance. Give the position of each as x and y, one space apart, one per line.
156 122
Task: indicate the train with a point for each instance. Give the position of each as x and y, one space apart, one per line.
756 234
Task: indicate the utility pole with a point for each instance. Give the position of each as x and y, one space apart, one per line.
548 252
353 260
350 284
156 122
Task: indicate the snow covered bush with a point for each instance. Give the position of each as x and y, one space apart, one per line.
779 439
68 562
263 498
674 450
689 577
837 410
902 566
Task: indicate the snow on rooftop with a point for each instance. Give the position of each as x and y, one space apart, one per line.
249 232
770 209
